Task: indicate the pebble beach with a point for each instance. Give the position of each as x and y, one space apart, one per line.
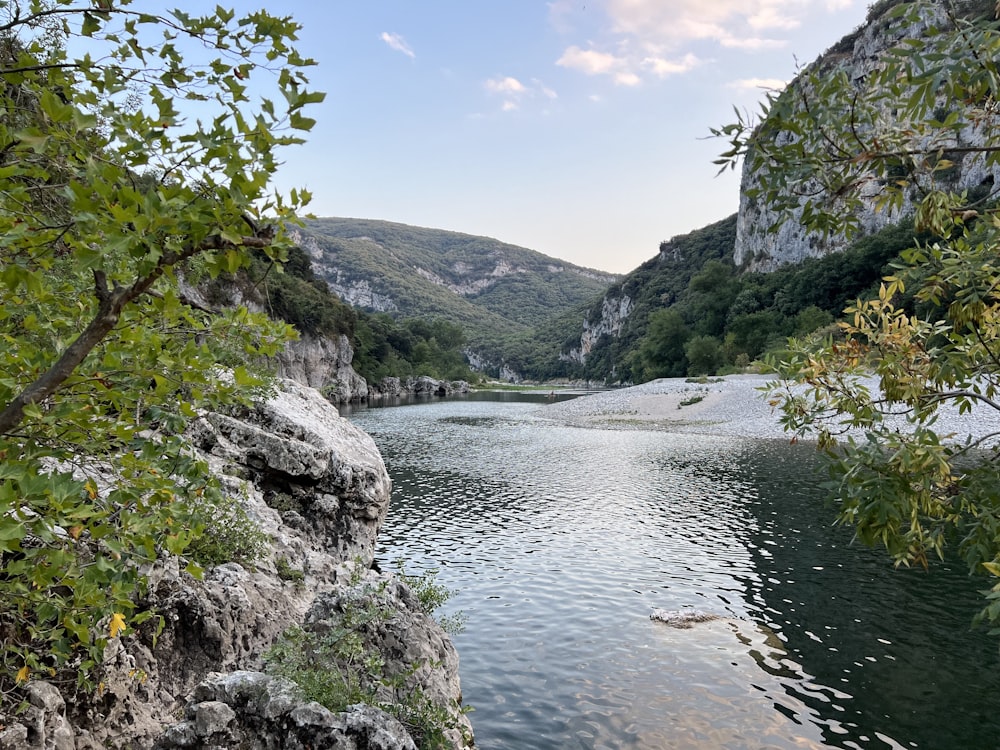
731 405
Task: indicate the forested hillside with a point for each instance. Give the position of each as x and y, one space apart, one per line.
484 285
691 312
382 345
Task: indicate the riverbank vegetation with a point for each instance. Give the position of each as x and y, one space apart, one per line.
930 332
112 193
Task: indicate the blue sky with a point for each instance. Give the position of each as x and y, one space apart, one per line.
577 129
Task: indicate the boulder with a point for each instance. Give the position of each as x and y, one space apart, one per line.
315 486
253 711
390 387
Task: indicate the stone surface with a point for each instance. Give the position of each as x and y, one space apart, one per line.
682 618
316 486
422 386
44 721
614 311
324 363
760 249
418 655
264 713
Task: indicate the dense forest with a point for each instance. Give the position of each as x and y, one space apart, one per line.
696 314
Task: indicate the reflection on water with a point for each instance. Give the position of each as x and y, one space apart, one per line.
560 541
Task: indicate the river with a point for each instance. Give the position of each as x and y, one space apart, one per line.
559 542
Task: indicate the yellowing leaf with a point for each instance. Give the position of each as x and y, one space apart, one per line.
992 567
22 674
117 624
91 489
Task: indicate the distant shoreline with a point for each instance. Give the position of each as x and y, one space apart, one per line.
733 405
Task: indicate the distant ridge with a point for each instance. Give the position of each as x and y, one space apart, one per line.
489 287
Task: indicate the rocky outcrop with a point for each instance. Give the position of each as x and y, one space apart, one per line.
614 311
317 490
353 290
391 387
761 248
254 711
471 281
501 370
324 363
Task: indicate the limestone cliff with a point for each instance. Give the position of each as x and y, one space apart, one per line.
321 361
615 310
316 486
324 363
758 247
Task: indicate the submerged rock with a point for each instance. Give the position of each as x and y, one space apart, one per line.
683 618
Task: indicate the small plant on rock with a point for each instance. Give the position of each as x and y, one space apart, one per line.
334 664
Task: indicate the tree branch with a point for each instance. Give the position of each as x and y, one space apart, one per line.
111 303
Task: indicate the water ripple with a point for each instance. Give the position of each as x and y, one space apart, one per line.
560 541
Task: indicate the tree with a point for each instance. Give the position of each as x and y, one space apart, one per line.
661 350
128 168
931 336
704 355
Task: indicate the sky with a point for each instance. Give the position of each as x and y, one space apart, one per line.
576 128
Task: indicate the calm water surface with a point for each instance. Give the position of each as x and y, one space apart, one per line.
559 542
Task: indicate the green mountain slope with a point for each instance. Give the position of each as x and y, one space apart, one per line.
690 311
488 287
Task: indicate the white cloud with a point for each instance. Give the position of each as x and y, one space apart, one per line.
591 61
662 28
687 20
544 90
396 42
663 68
514 91
765 84
752 43
505 85
595 63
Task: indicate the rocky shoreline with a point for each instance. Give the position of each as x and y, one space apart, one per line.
316 489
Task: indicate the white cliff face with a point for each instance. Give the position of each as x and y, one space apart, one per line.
614 312
470 282
357 292
503 371
324 363
354 291
759 249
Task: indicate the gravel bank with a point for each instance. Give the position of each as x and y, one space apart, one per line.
733 405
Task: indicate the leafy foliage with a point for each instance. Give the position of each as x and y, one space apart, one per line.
123 167
692 290
409 348
928 338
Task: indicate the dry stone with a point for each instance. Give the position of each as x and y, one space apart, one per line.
292 457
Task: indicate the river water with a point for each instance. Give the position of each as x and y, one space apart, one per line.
560 541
